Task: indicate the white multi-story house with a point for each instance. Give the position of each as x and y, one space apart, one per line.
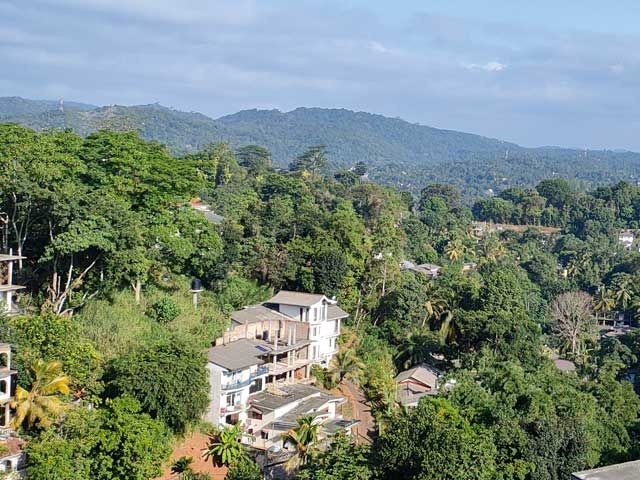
236 371
271 343
11 455
322 315
7 287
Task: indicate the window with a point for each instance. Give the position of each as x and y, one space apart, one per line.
233 399
256 386
264 435
3 386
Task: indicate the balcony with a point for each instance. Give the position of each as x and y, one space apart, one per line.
237 385
259 372
232 409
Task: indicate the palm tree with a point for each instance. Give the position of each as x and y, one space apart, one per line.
224 447
603 301
449 329
433 309
454 250
622 293
303 438
346 366
41 405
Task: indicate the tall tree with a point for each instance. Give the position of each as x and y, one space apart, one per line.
573 321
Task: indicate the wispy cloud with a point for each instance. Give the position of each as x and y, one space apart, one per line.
531 85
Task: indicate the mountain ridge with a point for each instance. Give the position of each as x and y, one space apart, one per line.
407 155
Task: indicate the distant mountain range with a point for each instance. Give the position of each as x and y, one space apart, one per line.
397 152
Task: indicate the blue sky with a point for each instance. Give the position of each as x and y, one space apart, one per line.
537 73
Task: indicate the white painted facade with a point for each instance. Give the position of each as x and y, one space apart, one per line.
230 391
323 333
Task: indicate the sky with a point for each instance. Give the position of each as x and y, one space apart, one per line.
535 73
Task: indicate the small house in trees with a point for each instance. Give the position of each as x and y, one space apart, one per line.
627 238
429 269
620 471
7 288
415 383
198 205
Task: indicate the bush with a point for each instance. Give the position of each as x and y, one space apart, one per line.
164 310
245 469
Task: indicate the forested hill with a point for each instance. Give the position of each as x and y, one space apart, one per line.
396 152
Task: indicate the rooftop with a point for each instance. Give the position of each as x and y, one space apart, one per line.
267 401
302 299
257 313
423 373
236 355
621 471
334 312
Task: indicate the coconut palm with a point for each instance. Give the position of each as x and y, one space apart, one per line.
454 250
433 309
345 365
224 447
41 405
622 293
603 302
304 439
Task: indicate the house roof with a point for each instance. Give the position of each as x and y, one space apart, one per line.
236 355
424 374
302 299
564 365
621 471
334 311
257 313
13 445
267 401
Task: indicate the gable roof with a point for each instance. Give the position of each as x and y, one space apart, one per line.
334 312
236 355
257 313
424 374
267 401
302 299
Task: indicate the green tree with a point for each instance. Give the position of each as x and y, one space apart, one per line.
245 469
224 447
168 378
303 439
341 461
434 442
164 310
345 365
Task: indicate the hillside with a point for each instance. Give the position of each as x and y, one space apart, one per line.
397 152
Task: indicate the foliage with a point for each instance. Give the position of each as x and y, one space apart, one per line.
224 447
167 377
112 442
245 469
303 439
42 404
341 461
433 441
164 310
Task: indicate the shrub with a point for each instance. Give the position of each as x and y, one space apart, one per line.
164 310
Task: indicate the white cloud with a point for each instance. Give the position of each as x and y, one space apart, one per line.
487 67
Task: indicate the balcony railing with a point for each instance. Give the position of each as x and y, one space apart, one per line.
237 384
259 372
232 409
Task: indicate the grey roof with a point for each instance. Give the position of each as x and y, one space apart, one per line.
302 299
334 426
334 311
236 355
424 374
621 471
214 217
257 313
267 401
